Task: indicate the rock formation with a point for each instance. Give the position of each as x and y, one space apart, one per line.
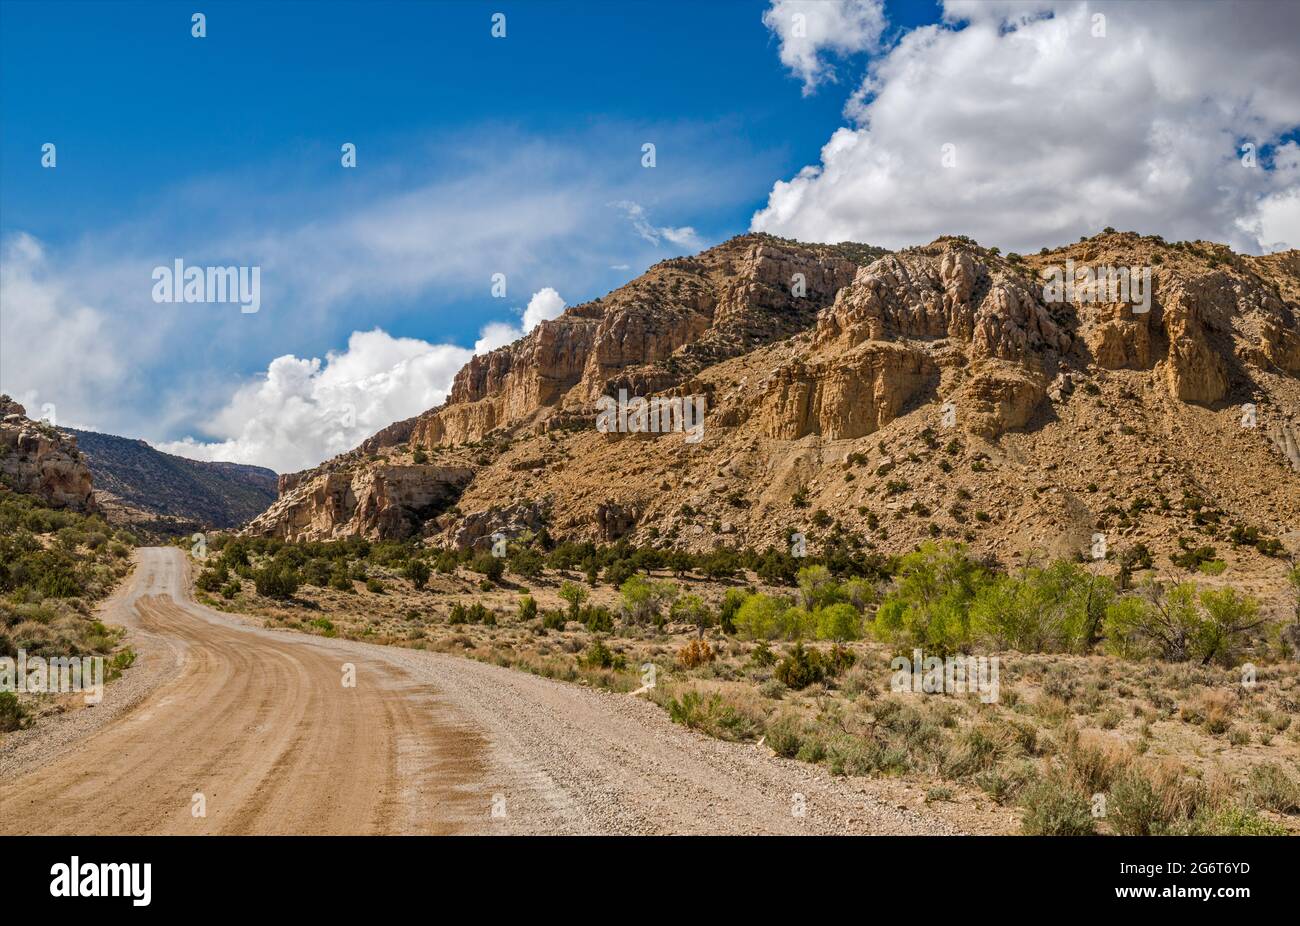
38 459
938 391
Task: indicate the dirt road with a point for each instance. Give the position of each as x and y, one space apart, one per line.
258 730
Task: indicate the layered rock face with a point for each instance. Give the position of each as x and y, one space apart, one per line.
942 367
649 336
378 502
906 325
38 459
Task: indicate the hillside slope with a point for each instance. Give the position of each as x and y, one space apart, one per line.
932 392
136 483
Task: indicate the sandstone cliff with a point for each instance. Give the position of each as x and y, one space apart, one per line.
381 501
932 392
38 459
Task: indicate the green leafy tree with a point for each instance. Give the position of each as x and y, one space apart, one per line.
759 616
1178 624
817 587
929 607
575 595
691 609
643 599
839 621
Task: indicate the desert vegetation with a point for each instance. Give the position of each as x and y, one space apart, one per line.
55 564
1135 704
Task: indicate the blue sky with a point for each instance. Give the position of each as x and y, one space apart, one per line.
475 155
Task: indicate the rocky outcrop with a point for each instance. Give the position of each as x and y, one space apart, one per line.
997 399
1194 312
846 397
936 391
613 520
38 459
1286 438
648 336
478 529
378 502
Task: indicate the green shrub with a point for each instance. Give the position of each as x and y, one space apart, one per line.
417 571
785 736
12 715
489 566
801 668
276 581
600 656
1052 808
596 618
1273 789
1133 806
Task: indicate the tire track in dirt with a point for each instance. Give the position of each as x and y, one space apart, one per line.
259 722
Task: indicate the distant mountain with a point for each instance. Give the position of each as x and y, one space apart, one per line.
136 483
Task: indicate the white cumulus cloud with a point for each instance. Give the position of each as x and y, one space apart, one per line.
55 349
809 29
305 410
1029 124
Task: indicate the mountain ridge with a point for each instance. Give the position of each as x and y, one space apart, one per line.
137 483
834 402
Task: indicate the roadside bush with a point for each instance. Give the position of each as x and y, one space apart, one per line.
599 656
801 668
276 581
785 736
12 716
1053 808
695 653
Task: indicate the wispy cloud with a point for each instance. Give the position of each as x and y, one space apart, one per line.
414 250
656 234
